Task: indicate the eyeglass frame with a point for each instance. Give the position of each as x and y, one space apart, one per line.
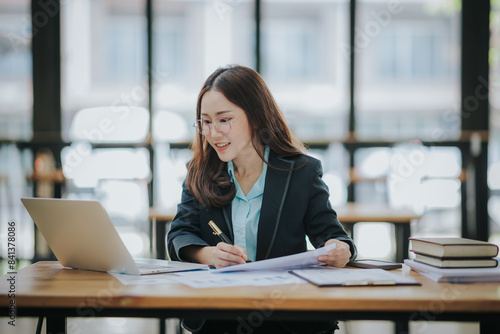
213 124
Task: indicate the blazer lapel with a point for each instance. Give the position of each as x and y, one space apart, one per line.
275 191
227 212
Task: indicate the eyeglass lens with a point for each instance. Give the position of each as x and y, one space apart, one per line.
220 125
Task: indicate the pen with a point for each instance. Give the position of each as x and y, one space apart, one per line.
219 233
222 236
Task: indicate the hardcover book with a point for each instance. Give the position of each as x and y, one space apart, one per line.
453 247
461 275
456 262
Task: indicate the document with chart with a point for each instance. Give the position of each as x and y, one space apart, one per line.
327 276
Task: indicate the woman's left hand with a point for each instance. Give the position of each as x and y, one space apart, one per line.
337 257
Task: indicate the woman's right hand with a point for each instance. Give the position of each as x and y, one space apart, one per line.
219 256
224 255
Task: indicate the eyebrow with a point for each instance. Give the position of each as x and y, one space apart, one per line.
218 113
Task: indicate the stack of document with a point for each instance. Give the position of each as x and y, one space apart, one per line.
462 275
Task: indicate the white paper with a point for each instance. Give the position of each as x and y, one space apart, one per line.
208 279
352 277
145 279
304 259
170 266
243 278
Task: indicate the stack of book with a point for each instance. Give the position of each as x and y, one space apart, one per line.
460 275
455 259
454 252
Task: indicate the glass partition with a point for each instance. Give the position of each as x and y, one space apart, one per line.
16 109
191 40
16 92
305 64
407 70
494 144
104 56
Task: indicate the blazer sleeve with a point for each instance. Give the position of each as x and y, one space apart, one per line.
185 228
321 222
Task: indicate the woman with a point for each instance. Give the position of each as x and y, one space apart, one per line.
251 177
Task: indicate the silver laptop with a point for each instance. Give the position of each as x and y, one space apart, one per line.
81 235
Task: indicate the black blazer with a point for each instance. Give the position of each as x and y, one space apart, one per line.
295 204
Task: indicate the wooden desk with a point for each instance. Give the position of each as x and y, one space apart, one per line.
349 214
46 289
353 213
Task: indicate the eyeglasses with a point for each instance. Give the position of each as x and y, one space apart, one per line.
222 125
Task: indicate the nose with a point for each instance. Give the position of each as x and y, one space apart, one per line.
214 132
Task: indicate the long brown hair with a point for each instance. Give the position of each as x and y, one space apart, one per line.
207 178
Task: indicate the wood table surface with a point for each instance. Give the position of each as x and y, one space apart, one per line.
46 289
48 284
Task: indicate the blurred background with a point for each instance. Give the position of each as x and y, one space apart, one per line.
399 99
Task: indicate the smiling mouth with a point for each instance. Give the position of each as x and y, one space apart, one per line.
222 145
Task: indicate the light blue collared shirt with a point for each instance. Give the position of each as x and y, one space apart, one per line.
246 210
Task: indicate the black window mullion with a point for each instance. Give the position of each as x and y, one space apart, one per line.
46 46
352 118
352 66
258 16
150 73
475 114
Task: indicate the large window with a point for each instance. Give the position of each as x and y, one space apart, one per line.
407 82
407 70
494 146
104 95
407 90
104 53
304 63
16 97
16 105
105 92
191 40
